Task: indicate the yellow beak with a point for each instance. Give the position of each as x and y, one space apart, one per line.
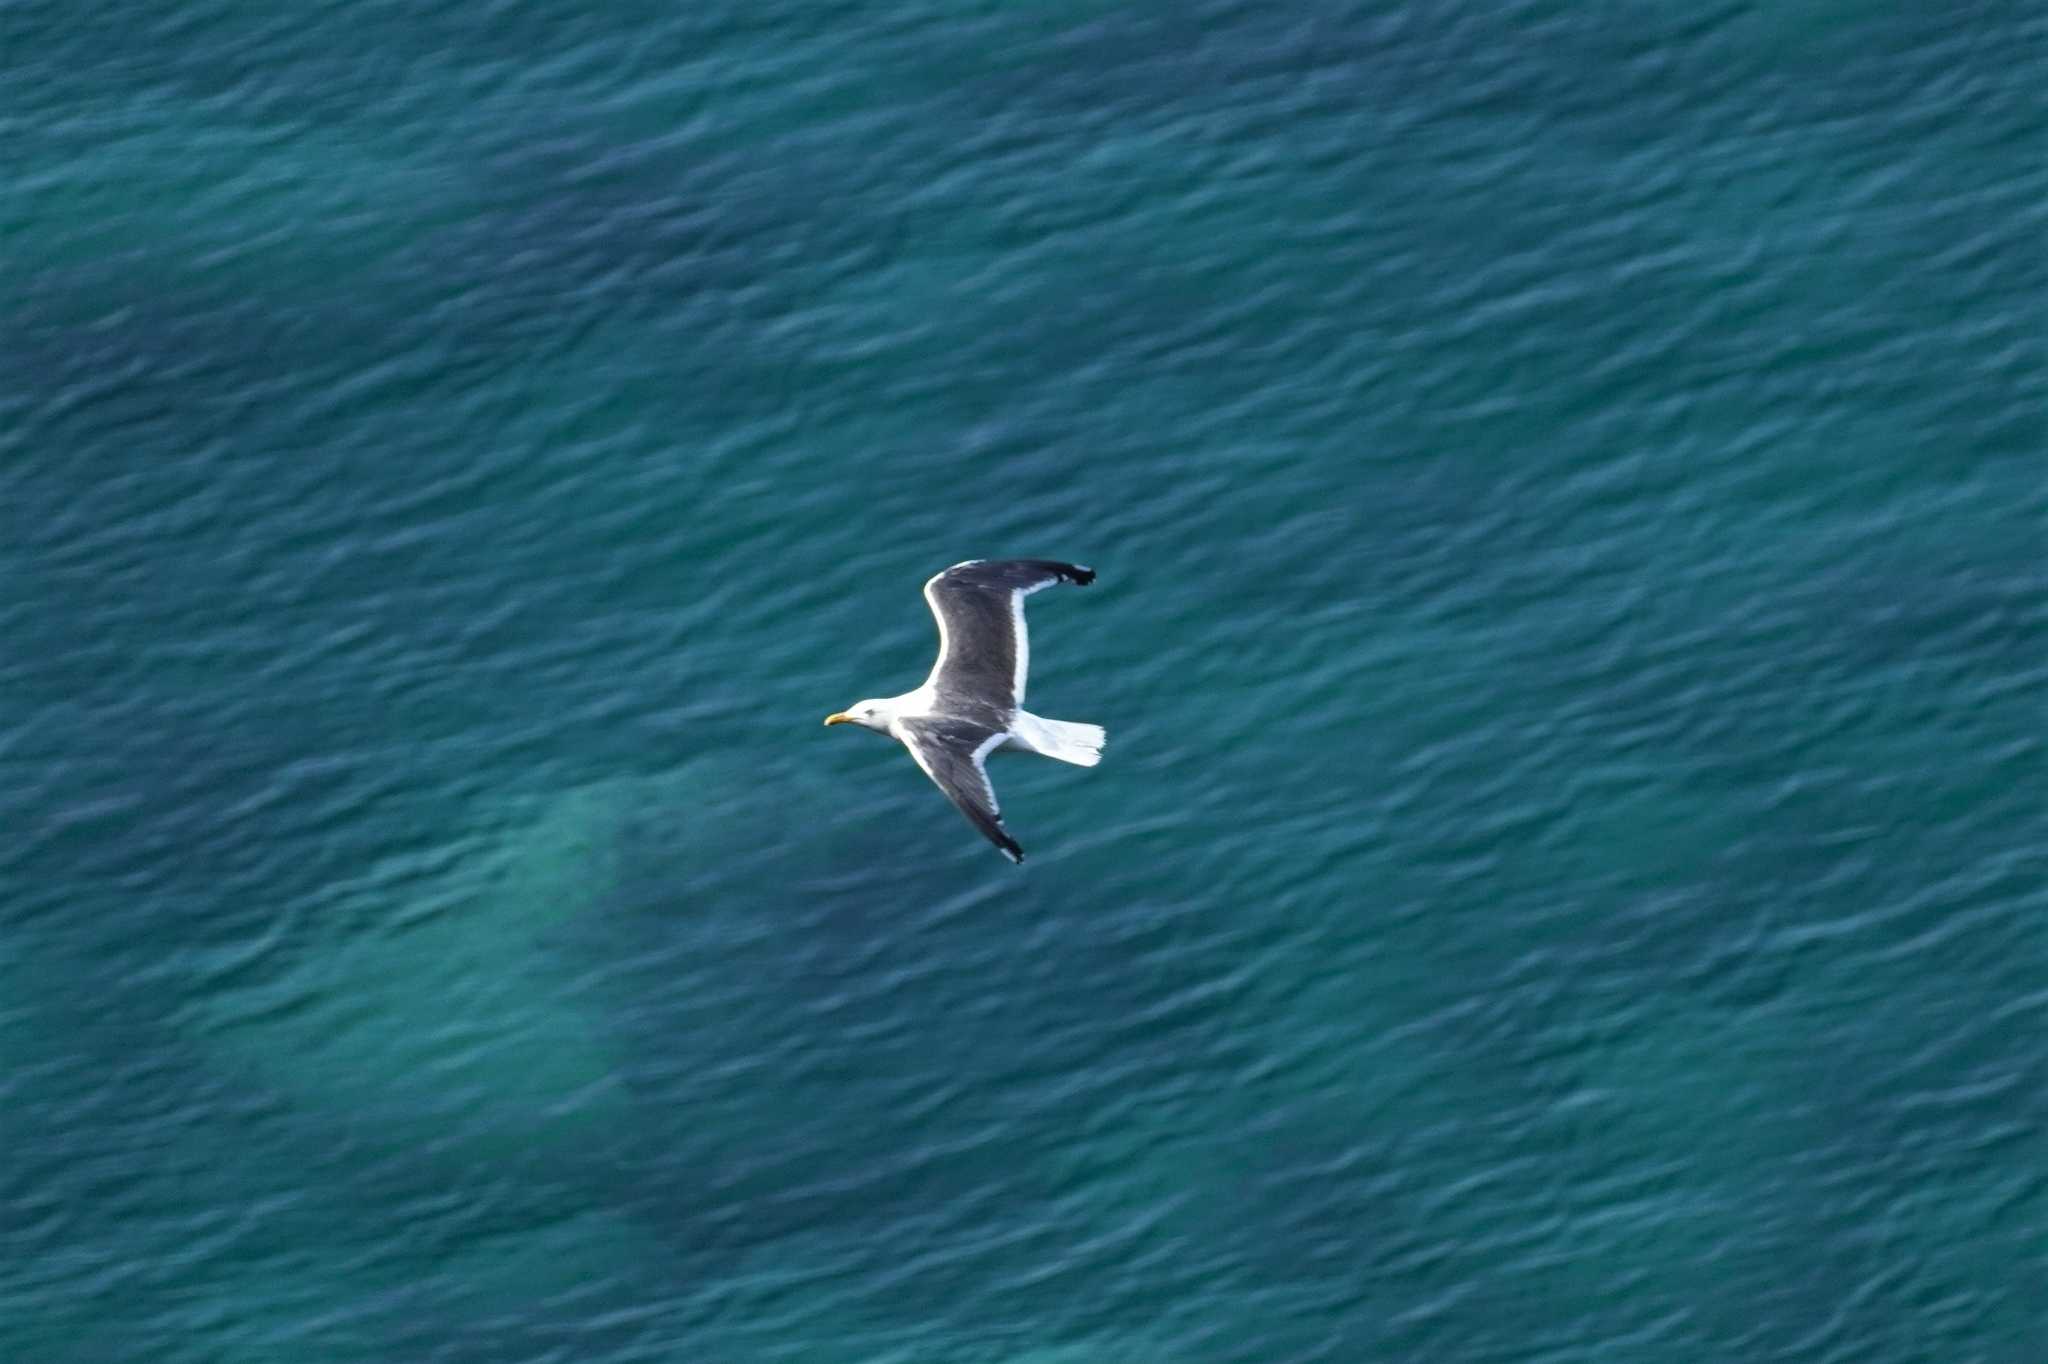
839 717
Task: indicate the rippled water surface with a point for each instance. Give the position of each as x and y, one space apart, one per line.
1567 882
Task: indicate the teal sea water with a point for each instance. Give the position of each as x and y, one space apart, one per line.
1568 488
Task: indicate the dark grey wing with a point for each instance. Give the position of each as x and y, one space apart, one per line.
952 752
984 649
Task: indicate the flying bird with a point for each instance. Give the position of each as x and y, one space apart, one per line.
973 702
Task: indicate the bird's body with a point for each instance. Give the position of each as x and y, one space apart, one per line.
972 705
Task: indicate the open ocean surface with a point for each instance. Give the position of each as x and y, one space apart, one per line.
1567 883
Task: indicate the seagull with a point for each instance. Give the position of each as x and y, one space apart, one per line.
973 702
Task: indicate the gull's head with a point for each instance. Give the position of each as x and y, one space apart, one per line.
874 715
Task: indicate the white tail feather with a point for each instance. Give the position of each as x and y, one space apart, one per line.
1067 740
